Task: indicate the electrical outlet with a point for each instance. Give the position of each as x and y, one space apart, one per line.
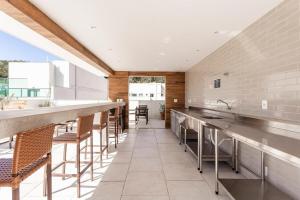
264 104
266 171
175 100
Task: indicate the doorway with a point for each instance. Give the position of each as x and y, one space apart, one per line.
147 102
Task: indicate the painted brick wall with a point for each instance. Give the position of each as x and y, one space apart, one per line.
263 62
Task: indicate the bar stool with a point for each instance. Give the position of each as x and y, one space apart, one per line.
103 125
113 124
32 151
83 133
121 119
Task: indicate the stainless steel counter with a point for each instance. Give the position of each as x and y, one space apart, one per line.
279 146
271 140
14 121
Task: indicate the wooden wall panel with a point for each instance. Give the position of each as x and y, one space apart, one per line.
175 89
118 89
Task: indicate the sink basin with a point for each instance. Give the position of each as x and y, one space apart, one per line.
211 117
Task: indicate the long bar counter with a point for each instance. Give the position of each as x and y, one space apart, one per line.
14 121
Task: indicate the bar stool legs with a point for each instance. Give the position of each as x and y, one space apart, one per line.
15 193
78 169
47 187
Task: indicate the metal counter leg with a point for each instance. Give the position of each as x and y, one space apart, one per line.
236 156
262 167
185 147
180 137
233 154
200 146
216 163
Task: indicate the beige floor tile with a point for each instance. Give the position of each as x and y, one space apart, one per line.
145 164
145 153
170 147
145 198
116 172
122 157
181 171
175 157
189 190
108 191
145 145
145 183
166 138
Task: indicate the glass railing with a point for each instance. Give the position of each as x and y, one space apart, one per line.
25 92
17 87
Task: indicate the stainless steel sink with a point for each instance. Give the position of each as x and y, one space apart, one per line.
211 117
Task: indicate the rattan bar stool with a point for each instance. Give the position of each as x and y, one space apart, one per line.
113 124
103 125
83 133
32 151
121 123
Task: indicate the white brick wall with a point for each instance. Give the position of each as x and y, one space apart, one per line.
263 62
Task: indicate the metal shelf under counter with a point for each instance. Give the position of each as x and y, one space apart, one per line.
250 189
208 151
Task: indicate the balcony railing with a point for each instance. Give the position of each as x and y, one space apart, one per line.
25 92
17 87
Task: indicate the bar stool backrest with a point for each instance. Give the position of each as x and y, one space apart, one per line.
31 146
117 112
103 119
85 124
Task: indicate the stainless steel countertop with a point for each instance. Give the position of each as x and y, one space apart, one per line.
14 121
279 146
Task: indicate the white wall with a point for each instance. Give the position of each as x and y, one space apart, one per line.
36 75
67 81
90 86
75 83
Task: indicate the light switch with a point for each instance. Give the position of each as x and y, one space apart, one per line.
264 104
175 100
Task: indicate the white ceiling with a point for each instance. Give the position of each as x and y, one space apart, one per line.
154 35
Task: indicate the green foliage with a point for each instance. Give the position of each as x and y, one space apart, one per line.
146 79
4 67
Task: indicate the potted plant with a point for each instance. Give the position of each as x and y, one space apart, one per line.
162 111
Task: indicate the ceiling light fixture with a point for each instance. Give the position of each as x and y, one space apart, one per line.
167 40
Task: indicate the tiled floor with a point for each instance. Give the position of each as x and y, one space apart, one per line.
148 164
152 123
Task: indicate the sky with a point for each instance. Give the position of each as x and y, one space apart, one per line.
12 48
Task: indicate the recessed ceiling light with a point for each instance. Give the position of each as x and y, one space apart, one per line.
162 53
167 40
227 33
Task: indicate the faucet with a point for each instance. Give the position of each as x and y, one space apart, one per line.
224 102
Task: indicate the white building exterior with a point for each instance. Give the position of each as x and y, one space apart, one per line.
150 94
147 91
57 80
